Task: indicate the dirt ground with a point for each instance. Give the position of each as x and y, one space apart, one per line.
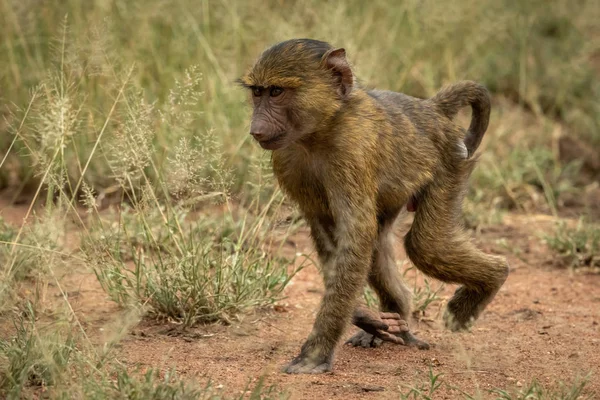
543 324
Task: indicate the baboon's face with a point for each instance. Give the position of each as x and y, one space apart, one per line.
296 88
272 123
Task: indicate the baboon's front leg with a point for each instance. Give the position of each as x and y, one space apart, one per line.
384 326
345 275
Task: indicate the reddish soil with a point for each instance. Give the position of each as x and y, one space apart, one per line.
543 324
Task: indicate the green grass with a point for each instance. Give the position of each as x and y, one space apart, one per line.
55 361
525 180
537 391
426 389
577 246
435 383
25 254
196 270
203 271
166 386
34 357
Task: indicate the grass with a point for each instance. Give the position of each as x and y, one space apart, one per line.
536 55
52 360
577 246
155 222
198 270
434 386
205 271
423 295
526 180
536 391
190 271
169 386
33 357
25 260
425 390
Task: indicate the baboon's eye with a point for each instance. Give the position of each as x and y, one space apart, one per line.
276 91
257 91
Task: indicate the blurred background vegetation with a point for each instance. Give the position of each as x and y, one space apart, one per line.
133 102
539 58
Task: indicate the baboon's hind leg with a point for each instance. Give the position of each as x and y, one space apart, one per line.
438 245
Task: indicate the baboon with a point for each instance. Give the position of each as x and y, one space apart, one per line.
352 159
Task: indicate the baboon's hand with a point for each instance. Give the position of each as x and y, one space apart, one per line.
385 326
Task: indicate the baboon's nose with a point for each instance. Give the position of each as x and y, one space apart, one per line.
259 129
259 135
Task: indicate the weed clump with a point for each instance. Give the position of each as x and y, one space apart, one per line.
577 246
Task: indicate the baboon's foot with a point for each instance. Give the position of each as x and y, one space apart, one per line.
454 324
367 340
468 303
307 365
464 308
412 341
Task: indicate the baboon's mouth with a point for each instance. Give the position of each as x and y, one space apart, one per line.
274 143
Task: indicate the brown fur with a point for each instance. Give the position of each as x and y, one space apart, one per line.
352 159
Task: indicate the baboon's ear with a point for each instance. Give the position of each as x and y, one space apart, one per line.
335 60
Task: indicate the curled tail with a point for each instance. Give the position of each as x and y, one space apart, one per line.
454 97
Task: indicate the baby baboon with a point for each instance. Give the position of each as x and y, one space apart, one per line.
353 158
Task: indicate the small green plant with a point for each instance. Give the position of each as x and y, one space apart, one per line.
536 391
7 232
425 390
203 271
577 246
423 296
